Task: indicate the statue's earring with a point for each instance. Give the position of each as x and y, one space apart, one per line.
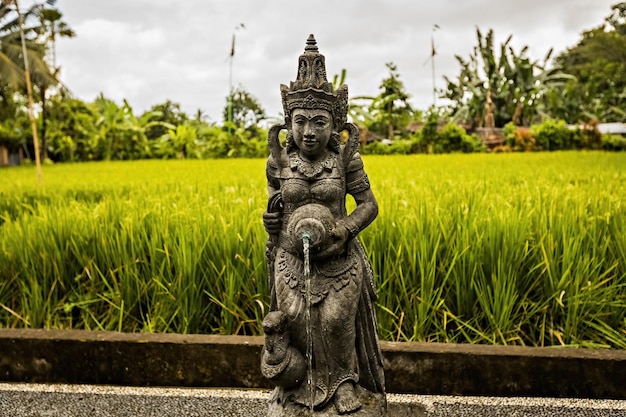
291 143
335 141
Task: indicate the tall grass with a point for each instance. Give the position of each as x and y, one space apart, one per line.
143 246
503 249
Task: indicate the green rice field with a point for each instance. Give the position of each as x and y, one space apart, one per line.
516 249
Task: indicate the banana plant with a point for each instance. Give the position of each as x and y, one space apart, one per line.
121 134
508 86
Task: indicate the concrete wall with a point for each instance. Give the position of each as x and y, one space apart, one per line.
83 357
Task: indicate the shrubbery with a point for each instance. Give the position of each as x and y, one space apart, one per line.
553 135
519 139
453 138
556 135
613 142
450 138
550 135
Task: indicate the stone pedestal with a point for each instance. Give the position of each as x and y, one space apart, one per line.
372 405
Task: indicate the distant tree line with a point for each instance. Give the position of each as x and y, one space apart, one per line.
534 102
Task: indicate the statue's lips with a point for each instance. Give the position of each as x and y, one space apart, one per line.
310 143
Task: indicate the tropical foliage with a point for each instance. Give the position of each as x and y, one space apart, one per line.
497 86
598 63
390 111
105 130
556 135
40 26
434 136
246 111
12 68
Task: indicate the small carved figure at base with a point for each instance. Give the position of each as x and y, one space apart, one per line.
281 363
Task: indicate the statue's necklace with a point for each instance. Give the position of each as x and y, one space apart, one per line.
311 169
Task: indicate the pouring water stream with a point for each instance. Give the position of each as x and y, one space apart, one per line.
306 239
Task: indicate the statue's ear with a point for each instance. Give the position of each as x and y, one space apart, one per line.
352 144
274 145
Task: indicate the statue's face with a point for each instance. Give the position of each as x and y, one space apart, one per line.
311 130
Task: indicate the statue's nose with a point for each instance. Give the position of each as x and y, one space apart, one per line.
308 132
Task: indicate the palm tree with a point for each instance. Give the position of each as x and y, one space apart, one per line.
50 27
11 59
22 58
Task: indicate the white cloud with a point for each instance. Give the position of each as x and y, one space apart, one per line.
149 51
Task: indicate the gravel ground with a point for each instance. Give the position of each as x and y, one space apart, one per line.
57 400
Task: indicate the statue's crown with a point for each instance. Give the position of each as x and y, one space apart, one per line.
311 90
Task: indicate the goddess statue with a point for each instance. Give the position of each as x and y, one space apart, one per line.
321 345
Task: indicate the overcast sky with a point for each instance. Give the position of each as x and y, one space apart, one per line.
148 51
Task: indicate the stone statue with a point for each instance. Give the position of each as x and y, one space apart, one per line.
321 344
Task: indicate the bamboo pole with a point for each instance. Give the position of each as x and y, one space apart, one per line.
433 52
29 91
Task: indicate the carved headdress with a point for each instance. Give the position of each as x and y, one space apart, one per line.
311 90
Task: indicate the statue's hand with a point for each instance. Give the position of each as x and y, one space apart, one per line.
272 222
338 238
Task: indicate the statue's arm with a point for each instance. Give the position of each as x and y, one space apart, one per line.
272 217
365 212
358 185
